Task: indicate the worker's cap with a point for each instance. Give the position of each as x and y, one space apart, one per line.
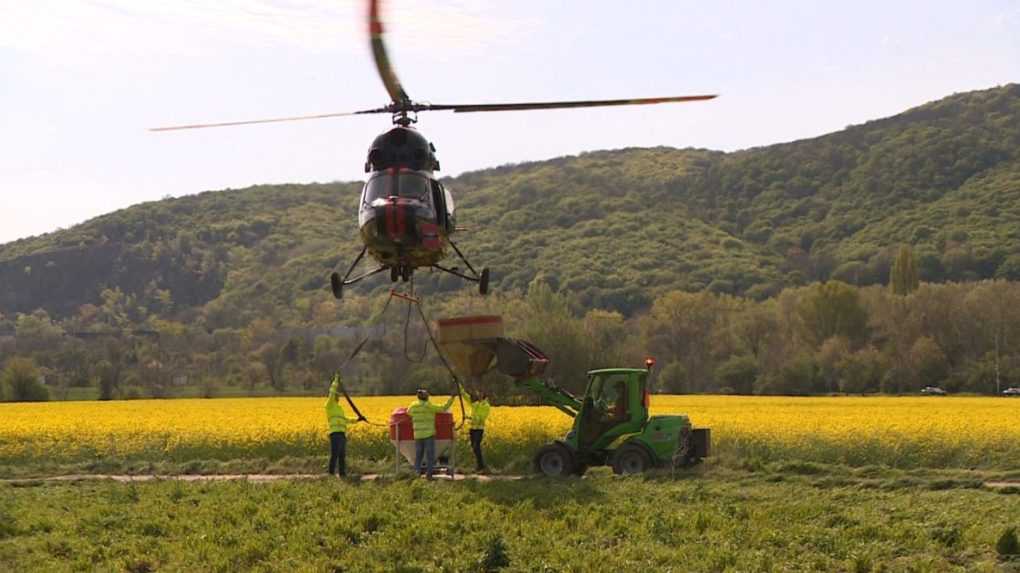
423 394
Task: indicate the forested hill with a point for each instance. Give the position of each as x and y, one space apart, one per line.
616 227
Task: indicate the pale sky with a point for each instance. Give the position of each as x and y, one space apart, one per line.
81 80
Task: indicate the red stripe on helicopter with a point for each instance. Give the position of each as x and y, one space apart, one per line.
391 220
401 219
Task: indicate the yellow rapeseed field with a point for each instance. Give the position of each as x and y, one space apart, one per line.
902 432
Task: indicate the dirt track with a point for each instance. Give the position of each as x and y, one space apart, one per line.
260 478
264 478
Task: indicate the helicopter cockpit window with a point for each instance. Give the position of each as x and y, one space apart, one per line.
408 184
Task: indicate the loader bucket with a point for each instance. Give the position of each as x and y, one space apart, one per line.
472 343
458 340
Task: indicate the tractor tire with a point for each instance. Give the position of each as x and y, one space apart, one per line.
631 459
554 460
394 274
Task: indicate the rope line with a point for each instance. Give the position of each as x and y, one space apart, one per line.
411 301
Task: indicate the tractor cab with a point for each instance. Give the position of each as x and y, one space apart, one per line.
615 403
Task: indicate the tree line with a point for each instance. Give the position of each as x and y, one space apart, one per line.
826 337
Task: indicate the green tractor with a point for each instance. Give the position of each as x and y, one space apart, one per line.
612 425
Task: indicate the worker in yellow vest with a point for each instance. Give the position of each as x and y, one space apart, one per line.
337 421
479 413
423 418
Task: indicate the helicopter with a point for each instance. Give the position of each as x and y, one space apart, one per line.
406 216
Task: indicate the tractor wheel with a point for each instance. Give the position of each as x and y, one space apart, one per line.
337 285
554 460
394 274
405 273
630 459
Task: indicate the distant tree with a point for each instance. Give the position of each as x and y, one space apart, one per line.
830 357
685 327
903 274
832 309
861 372
928 362
737 373
552 326
995 311
108 379
673 379
20 378
799 376
1009 269
36 332
272 360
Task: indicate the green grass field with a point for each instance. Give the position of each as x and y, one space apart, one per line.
721 520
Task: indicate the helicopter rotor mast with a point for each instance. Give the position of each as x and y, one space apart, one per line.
401 103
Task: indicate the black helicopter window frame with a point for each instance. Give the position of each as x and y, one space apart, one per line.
439 202
396 182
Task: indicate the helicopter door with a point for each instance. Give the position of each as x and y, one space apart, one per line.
444 207
439 200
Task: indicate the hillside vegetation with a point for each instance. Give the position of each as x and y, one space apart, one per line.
714 262
616 227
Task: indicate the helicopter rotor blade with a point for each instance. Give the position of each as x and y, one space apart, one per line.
465 108
272 120
382 60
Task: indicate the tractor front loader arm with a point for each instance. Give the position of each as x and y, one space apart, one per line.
525 363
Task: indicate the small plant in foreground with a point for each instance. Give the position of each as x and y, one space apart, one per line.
494 557
1008 546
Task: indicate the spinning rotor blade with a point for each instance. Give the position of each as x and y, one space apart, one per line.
465 108
382 60
274 120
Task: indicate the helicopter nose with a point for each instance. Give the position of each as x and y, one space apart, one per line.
394 215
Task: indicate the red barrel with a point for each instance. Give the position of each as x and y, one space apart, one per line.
402 428
402 433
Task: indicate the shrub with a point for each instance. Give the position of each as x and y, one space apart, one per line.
738 374
21 380
494 556
1008 546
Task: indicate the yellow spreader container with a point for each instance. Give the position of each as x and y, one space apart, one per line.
458 340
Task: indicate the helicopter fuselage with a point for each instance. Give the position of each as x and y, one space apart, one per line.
405 218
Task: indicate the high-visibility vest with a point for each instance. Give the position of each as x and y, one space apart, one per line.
335 417
479 411
423 417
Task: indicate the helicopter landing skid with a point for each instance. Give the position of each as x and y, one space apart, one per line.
405 272
482 279
337 284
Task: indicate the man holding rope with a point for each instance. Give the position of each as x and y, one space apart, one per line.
423 417
479 413
337 422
